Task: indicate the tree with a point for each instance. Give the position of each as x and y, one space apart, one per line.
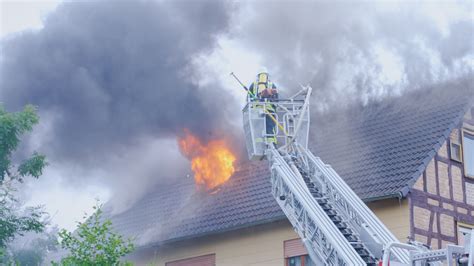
13 219
94 242
12 127
32 248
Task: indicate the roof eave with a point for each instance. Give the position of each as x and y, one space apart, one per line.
206 234
398 195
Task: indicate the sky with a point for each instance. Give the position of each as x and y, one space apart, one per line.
116 82
22 15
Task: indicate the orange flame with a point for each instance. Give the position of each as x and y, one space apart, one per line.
212 163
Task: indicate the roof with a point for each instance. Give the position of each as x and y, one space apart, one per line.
181 211
379 150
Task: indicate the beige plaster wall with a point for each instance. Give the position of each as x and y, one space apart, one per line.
260 245
395 215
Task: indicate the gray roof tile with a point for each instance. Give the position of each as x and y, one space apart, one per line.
379 150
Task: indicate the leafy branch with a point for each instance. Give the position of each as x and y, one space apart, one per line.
12 127
94 242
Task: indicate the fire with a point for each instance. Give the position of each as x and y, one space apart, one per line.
212 163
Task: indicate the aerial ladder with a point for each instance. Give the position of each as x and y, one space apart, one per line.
334 224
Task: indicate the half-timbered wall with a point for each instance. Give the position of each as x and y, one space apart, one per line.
443 196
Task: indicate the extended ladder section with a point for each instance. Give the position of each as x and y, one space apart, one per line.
335 225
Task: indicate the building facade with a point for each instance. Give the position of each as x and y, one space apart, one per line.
410 159
272 244
442 200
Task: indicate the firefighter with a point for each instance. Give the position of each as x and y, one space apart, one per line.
263 90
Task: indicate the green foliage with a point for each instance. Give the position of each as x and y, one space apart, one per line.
33 166
12 127
3 254
28 257
94 243
15 220
32 248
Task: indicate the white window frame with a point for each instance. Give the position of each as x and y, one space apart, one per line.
463 228
460 155
470 132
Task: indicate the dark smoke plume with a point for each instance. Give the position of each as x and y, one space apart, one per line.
114 71
117 81
111 76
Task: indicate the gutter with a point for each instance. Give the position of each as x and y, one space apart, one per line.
398 195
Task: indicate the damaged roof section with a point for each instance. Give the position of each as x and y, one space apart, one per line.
378 149
180 211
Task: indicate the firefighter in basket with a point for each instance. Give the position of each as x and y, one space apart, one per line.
263 90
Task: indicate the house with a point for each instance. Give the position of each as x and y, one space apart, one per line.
410 158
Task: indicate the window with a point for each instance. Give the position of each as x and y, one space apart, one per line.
206 260
303 260
296 254
468 152
463 232
456 154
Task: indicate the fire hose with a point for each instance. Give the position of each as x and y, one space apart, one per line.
276 122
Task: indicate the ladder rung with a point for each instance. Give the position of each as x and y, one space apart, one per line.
326 207
356 245
322 200
351 238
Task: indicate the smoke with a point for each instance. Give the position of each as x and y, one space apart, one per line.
117 81
361 51
112 79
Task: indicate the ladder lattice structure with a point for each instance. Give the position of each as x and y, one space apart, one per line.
335 225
